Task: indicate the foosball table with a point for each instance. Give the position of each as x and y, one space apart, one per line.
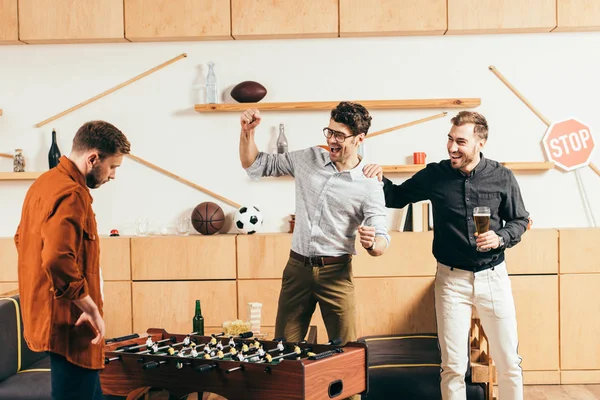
235 367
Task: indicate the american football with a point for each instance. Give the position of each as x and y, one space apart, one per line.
248 92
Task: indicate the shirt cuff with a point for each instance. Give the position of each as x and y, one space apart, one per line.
75 291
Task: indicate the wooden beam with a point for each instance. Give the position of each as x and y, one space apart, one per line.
328 105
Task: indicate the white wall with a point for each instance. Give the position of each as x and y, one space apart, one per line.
557 72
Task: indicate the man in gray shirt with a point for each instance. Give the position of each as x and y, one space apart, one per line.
334 199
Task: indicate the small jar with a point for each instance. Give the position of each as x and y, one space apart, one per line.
19 161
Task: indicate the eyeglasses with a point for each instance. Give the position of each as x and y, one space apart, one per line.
339 136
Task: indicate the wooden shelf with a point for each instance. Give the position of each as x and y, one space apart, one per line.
515 166
0 112
20 176
328 105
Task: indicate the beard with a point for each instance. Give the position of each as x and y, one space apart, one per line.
94 178
465 159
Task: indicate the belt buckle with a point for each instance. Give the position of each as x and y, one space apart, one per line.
316 261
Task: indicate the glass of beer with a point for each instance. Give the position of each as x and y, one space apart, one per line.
482 215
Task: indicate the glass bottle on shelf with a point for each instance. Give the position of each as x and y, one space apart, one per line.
19 161
198 320
282 143
211 84
54 152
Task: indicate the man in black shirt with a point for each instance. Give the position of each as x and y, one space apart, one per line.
471 270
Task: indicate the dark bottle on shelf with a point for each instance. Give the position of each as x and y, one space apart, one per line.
198 320
54 153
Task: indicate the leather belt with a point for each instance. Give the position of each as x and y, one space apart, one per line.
320 261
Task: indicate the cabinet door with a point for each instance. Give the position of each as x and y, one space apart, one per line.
268 19
170 305
579 322
579 251
71 21
501 16
536 303
163 20
537 253
8 260
117 308
9 24
578 15
115 258
392 17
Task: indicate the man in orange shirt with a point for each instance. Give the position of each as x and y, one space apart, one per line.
59 269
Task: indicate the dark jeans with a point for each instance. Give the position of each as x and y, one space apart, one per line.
70 382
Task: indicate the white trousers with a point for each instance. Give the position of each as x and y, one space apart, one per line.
490 291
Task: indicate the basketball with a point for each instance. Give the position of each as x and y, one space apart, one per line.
208 218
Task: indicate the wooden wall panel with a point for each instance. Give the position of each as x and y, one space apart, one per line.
578 15
268 19
6 287
115 258
579 250
117 308
500 16
541 377
409 254
71 21
536 254
189 257
266 291
580 377
9 22
536 302
388 306
162 20
170 305
579 322
392 17
262 256
8 260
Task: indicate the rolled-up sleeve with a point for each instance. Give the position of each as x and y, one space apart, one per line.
267 164
375 212
62 236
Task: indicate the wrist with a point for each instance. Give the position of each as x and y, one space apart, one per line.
372 247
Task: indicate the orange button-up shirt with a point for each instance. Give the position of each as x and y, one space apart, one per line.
57 244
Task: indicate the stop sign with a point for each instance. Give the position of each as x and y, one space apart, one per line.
569 144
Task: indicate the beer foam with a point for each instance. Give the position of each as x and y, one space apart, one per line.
481 215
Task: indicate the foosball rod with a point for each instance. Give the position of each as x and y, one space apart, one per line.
129 348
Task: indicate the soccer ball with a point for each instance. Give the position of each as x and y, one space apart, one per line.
248 219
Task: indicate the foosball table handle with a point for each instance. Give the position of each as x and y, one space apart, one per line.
325 354
205 367
153 364
122 338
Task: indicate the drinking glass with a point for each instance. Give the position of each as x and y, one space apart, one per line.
183 226
141 226
481 216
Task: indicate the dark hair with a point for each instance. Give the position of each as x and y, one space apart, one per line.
101 136
472 117
353 115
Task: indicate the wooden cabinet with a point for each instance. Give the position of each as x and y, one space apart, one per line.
579 251
578 15
117 308
387 306
170 305
409 254
115 258
392 17
536 303
6 287
266 291
537 253
266 19
190 257
500 16
579 322
8 260
262 256
9 22
162 20
71 21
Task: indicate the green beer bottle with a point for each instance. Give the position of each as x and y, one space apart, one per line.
198 320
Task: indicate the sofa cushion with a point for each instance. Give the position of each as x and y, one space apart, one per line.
32 383
9 335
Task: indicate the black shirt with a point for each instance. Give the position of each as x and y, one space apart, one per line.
453 196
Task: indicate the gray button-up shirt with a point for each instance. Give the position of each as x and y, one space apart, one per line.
330 205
